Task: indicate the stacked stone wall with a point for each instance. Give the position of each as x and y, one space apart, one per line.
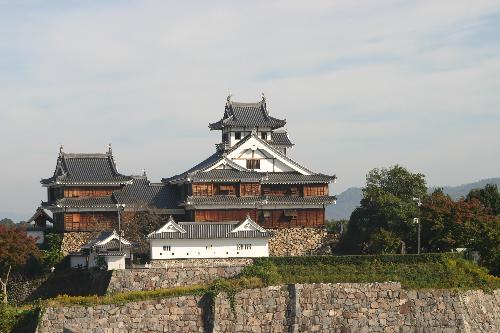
300 241
254 310
377 307
179 314
72 241
176 273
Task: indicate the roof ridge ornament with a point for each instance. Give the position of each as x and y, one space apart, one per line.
61 149
110 150
264 104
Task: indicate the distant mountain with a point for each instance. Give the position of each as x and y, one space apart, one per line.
348 200
459 191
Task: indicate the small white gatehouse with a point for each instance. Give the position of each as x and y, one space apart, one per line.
104 252
198 240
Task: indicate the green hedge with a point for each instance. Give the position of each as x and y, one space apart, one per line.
361 259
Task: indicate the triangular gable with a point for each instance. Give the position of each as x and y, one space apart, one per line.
40 212
248 225
226 163
114 236
170 226
253 142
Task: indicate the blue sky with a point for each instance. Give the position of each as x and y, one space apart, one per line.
362 84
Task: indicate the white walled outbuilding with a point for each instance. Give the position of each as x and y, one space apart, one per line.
200 240
208 248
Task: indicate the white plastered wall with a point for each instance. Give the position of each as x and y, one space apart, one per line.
208 248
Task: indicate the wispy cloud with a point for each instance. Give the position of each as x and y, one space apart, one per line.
362 84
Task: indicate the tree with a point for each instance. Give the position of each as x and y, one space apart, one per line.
7 222
465 223
4 285
136 226
388 204
489 196
447 224
16 249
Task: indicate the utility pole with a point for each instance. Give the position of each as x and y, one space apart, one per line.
119 208
417 221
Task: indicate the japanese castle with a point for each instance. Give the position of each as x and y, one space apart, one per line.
248 175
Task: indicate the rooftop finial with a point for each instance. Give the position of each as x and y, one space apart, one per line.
61 149
263 97
109 148
144 172
228 99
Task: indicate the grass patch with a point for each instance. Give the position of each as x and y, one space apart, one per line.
438 271
126 297
18 319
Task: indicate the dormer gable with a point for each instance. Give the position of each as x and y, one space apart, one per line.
170 226
248 225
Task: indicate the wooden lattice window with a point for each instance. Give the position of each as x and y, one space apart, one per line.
253 164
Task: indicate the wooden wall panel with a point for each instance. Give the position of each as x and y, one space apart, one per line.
315 190
281 190
75 192
202 190
267 218
249 189
88 221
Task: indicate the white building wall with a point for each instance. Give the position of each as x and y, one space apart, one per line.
78 261
244 132
208 248
266 164
93 256
117 262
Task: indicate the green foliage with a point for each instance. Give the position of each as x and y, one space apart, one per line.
265 271
442 271
17 250
7 222
52 254
388 203
358 259
13 319
489 196
467 223
383 241
336 226
126 297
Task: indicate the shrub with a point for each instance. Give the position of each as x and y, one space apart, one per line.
266 271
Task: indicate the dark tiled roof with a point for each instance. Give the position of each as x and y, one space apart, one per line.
86 169
211 160
40 212
280 138
247 115
145 194
227 175
260 200
87 202
296 178
208 230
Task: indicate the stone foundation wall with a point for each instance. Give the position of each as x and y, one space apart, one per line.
255 310
190 263
179 314
377 307
20 289
300 241
72 241
177 273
